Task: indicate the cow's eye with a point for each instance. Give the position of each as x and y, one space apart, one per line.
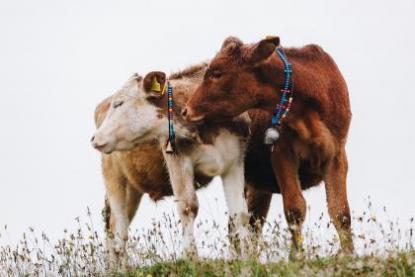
117 104
216 73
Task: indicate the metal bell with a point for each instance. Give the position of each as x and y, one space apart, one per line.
271 136
170 148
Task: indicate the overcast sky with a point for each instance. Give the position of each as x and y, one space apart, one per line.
58 59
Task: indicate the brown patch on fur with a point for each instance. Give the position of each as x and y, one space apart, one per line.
142 168
101 111
191 208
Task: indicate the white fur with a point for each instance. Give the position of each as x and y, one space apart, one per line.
121 225
130 123
181 172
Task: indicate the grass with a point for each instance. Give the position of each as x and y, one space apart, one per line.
398 264
384 249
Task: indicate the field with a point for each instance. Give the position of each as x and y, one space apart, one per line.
385 250
398 264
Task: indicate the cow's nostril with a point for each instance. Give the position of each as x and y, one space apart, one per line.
184 111
92 139
99 146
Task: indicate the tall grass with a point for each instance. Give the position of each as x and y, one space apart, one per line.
383 249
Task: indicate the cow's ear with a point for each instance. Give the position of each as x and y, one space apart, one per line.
231 44
154 83
264 49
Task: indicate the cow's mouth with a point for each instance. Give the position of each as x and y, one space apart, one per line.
196 119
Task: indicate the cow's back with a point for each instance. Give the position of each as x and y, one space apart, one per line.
319 83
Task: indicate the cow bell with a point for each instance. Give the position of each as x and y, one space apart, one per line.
170 149
271 136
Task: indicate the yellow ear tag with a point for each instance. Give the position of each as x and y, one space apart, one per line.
155 85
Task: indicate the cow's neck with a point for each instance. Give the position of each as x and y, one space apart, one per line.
160 131
183 129
268 93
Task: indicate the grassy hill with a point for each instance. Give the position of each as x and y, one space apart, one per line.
383 249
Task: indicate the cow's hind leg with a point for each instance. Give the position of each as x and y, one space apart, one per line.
285 166
118 220
122 201
133 199
338 206
258 206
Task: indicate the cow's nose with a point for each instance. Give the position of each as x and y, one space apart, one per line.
189 115
98 146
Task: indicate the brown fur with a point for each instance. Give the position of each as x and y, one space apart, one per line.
310 149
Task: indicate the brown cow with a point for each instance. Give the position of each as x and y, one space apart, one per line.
311 147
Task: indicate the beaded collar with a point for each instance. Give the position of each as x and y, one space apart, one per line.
171 142
284 105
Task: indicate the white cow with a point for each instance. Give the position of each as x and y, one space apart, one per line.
138 115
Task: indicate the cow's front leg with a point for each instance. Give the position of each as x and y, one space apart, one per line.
233 185
181 173
117 233
285 166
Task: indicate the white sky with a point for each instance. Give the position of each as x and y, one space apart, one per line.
58 59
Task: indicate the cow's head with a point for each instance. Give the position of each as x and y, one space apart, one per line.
232 81
133 116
